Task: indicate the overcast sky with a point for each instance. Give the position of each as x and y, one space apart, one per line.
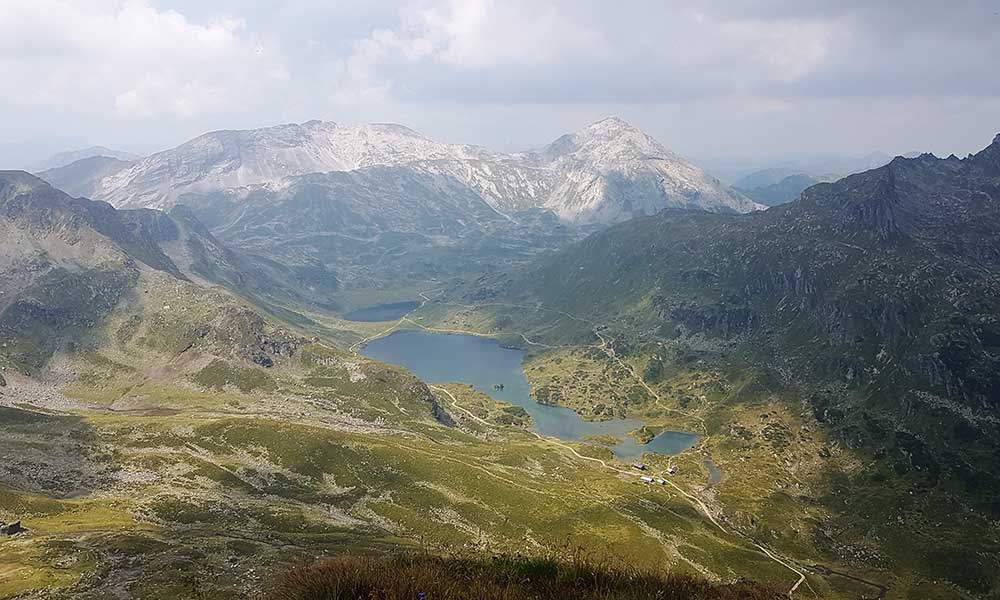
709 79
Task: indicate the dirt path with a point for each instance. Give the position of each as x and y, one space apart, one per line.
653 393
693 499
423 300
455 403
605 347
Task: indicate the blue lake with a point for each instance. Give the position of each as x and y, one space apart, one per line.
382 312
482 363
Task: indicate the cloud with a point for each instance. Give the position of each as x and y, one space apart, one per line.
463 38
509 73
589 51
481 50
128 58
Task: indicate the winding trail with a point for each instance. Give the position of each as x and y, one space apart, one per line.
697 502
653 393
424 300
605 347
455 403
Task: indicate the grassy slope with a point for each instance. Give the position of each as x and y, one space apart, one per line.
216 470
788 481
177 467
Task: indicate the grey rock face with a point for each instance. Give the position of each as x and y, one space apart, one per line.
607 172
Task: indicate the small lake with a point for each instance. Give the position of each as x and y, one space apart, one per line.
483 362
714 474
382 312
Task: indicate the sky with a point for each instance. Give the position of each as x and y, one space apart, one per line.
759 80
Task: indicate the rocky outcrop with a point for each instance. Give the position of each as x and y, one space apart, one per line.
11 528
717 318
420 390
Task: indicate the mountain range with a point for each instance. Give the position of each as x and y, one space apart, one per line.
377 203
168 435
607 172
783 183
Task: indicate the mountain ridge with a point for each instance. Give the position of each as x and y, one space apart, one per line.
63 159
892 273
606 172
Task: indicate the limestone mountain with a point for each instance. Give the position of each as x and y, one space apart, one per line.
612 171
607 172
375 224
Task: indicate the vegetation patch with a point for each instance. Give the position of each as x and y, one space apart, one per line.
218 374
500 577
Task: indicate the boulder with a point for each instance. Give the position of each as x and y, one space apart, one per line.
11 529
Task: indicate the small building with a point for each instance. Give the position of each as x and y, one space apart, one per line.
639 466
646 479
661 481
671 470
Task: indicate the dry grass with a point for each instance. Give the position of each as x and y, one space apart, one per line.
500 578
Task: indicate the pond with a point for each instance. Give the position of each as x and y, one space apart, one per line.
483 362
382 312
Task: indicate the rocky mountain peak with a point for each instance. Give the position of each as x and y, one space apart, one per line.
606 172
988 158
612 123
13 183
20 189
613 133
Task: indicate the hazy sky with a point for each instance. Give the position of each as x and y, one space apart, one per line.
762 78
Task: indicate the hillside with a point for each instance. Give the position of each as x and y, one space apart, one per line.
377 226
784 190
166 439
502 578
81 178
870 303
893 268
50 233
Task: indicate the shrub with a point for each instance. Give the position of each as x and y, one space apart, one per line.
422 577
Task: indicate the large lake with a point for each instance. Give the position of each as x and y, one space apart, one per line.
483 363
382 312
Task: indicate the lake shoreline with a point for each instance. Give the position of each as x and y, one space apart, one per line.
485 363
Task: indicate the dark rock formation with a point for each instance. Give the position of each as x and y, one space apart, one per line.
10 529
422 392
718 318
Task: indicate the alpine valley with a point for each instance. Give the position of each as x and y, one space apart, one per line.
192 404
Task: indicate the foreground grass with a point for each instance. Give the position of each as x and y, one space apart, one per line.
500 578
